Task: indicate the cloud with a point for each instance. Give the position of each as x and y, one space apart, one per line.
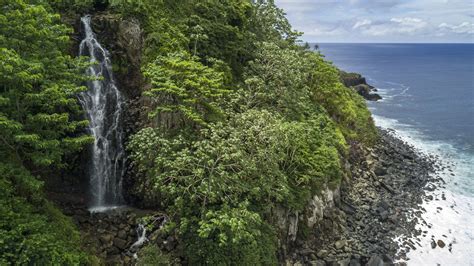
362 23
463 28
408 25
382 20
322 29
394 26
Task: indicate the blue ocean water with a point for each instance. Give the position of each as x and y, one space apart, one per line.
428 98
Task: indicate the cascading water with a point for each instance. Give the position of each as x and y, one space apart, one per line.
102 103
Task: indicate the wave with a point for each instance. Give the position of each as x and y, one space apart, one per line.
448 217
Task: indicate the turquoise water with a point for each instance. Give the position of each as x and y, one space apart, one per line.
428 98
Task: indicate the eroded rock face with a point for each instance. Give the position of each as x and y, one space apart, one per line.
290 222
319 203
123 38
359 84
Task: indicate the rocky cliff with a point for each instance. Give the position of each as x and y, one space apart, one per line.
359 84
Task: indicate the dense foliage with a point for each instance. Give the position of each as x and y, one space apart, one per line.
242 121
222 152
38 83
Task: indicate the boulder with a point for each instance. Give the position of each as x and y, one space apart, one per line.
120 243
380 171
322 253
317 263
340 244
122 234
441 243
106 238
375 260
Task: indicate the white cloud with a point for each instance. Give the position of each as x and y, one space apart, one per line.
463 28
394 26
382 20
322 30
362 23
409 25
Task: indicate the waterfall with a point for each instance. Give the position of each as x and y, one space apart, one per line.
102 103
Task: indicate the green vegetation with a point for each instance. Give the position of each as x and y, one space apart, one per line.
228 147
242 120
38 83
152 255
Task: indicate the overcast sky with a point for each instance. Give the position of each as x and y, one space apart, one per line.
382 20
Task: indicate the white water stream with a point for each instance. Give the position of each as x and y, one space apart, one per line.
102 103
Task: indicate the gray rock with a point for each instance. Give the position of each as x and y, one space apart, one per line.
306 252
317 263
380 171
433 244
340 244
122 234
322 253
113 250
375 260
105 239
354 262
120 243
344 262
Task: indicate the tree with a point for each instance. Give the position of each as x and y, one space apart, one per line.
186 88
39 126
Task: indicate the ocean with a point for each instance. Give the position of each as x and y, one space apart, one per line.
428 99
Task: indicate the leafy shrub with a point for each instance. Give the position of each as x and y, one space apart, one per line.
32 231
185 87
152 255
39 126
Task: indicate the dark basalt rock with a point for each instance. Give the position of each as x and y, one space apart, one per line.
387 182
441 243
359 84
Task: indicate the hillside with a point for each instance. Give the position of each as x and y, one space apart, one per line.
230 139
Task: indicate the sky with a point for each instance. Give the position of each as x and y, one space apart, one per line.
405 21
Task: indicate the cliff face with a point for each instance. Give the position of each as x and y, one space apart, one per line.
359 84
294 227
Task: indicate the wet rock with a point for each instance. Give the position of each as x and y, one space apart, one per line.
120 243
433 244
441 243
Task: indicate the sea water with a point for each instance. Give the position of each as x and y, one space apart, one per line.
428 99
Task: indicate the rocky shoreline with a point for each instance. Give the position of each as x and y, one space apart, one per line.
375 220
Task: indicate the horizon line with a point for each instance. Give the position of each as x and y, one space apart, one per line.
325 42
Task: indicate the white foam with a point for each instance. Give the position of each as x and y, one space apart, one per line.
97 209
451 220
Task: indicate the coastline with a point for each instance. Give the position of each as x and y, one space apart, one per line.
377 218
